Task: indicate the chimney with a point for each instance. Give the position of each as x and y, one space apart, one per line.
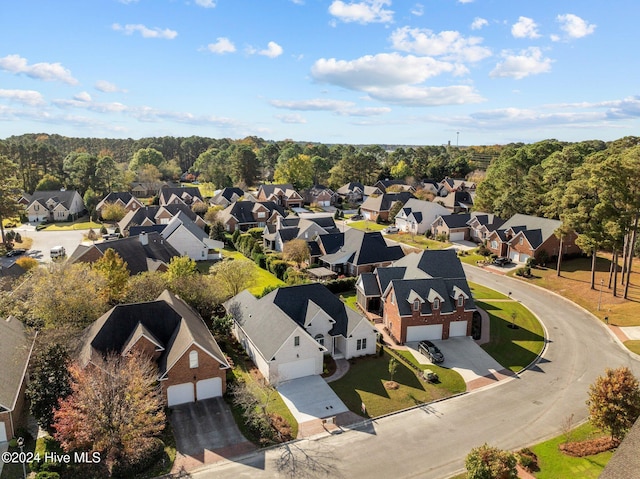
144 239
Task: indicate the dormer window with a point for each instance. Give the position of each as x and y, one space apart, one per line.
416 305
193 359
436 303
460 301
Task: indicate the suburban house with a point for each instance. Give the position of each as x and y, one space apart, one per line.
226 196
481 225
282 195
190 240
355 192
421 296
293 227
15 350
455 227
319 195
244 215
147 189
191 365
522 237
450 185
416 216
287 332
379 206
145 252
125 199
156 215
455 201
172 196
397 185
354 252
59 205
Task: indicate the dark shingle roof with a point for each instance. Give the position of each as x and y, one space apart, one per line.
357 247
431 263
243 210
423 287
59 196
15 350
370 284
456 221
385 201
166 193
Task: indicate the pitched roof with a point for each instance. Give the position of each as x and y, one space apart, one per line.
456 221
546 227
358 247
349 188
114 196
625 462
385 201
64 197
228 194
15 351
429 288
242 211
420 207
187 223
172 323
268 190
442 263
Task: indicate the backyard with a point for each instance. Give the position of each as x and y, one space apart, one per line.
262 277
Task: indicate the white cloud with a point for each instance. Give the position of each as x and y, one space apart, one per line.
418 10
27 97
465 1
41 71
409 95
298 2
146 32
478 23
527 62
366 11
368 111
206 3
292 119
273 50
574 26
451 45
127 2
108 87
316 104
378 71
525 28
221 46
82 96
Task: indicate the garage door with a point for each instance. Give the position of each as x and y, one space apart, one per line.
419 333
209 388
296 369
514 255
456 236
180 394
3 432
457 328
524 257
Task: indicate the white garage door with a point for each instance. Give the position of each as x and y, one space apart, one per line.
420 333
456 236
180 394
3 432
296 369
457 328
514 255
524 257
209 388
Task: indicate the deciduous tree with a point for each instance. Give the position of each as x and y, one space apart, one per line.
115 273
180 267
112 212
233 275
487 462
296 250
9 192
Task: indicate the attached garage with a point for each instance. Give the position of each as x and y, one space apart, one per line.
456 236
519 257
180 394
296 369
524 257
3 432
209 388
457 328
420 333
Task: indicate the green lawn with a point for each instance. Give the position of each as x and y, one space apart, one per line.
206 189
554 464
513 348
482 292
350 299
366 225
81 224
418 241
262 277
364 383
633 345
472 258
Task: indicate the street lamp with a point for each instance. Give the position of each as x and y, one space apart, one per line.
600 295
21 446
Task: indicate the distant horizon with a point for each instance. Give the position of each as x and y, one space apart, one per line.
359 72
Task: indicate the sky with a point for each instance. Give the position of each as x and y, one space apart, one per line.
428 72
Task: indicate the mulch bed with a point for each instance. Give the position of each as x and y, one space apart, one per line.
282 426
590 447
391 385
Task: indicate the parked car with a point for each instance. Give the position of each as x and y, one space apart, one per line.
431 351
390 230
16 252
502 261
57 252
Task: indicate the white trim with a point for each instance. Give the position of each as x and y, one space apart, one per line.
224 365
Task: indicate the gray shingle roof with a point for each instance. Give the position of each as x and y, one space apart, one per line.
423 287
191 191
15 350
358 247
385 201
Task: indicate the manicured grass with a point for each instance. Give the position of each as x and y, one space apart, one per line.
575 284
472 258
449 379
81 224
418 241
350 299
554 464
633 345
262 277
482 292
513 348
364 383
366 225
206 189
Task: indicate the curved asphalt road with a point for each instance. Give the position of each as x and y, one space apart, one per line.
432 441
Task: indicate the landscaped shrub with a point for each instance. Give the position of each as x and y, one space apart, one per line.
483 250
47 475
256 232
235 236
341 285
528 459
103 230
279 268
542 257
531 262
267 290
260 259
17 238
146 455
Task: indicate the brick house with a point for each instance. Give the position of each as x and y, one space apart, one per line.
125 199
421 296
187 196
15 351
282 195
244 215
481 225
522 237
375 207
157 215
319 195
190 364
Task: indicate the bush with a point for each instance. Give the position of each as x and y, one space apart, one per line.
279 268
256 233
149 453
341 285
103 230
483 250
542 257
260 259
235 236
531 262
18 238
47 475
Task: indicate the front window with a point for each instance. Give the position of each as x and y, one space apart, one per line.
460 300
193 359
416 305
320 339
436 303
494 244
359 344
521 240
296 340
261 214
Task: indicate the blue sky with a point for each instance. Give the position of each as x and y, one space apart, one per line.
334 71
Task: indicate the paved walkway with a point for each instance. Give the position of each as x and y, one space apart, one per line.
342 368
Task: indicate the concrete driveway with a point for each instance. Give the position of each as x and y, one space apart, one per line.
468 359
310 398
43 241
206 432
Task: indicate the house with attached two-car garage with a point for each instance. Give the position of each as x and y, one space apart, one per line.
15 350
287 332
190 364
